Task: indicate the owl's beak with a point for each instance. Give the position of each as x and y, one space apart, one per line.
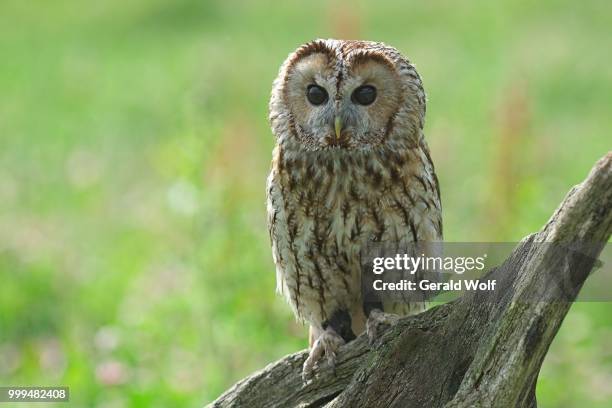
338 127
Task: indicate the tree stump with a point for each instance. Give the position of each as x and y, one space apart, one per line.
481 350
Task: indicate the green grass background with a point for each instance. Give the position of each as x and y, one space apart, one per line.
134 146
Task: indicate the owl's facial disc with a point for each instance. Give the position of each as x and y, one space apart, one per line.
347 105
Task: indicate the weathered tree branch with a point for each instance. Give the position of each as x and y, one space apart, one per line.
482 350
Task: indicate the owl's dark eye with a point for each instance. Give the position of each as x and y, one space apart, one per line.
316 95
364 95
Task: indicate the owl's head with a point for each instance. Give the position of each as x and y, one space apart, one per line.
335 94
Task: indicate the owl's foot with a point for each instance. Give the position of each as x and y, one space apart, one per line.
327 344
378 322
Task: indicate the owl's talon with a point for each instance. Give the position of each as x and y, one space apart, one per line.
378 322
327 344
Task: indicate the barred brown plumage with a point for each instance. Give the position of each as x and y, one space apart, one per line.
344 174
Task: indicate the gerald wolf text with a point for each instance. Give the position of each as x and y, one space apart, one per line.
426 285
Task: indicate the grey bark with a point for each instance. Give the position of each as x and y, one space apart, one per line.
481 350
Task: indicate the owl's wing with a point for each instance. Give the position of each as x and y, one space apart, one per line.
416 196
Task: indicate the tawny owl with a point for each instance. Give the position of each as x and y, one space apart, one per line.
351 166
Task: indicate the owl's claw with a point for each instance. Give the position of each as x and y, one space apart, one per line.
378 322
327 344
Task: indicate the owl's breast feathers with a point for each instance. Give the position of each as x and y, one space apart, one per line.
324 206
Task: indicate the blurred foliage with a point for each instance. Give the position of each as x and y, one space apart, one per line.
134 147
